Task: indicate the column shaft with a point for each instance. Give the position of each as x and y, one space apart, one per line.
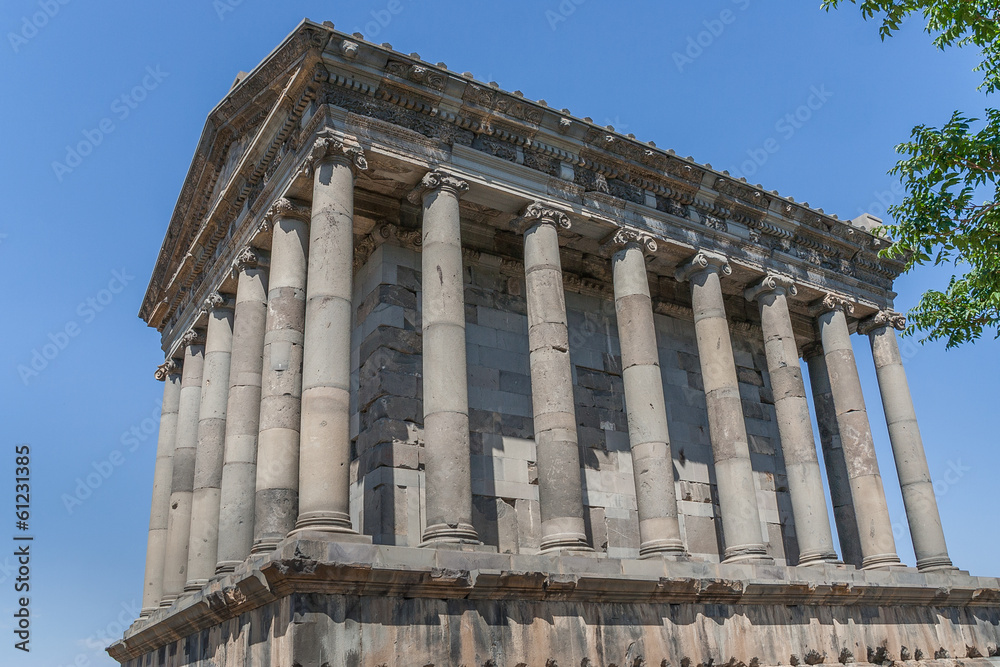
239 469
833 456
447 454
649 439
741 525
805 482
182 472
276 501
156 544
203 549
915 482
325 453
560 491
878 548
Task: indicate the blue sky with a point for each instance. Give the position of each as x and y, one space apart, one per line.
77 245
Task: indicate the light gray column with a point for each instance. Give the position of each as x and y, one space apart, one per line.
325 450
170 374
649 438
182 472
907 446
203 548
878 548
560 493
741 526
833 455
805 482
276 502
447 451
239 469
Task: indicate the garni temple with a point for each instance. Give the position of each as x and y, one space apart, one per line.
455 378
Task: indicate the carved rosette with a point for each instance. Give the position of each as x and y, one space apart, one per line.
881 320
538 213
703 261
328 147
435 180
166 369
832 302
626 237
192 337
287 208
771 283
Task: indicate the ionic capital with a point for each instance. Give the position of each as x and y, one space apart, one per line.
538 213
813 349
881 320
703 261
831 302
192 337
248 258
166 369
287 208
772 283
624 238
437 180
329 148
215 301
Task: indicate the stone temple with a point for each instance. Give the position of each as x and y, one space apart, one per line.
456 378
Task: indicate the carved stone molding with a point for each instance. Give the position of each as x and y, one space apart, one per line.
625 237
539 213
703 261
411 239
192 337
771 283
166 369
287 208
881 320
833 302
435 180
328 147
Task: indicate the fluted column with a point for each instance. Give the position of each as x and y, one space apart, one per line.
182 471
805 482
325 450
915 482
276 501
741 527
878 548
649 438
170 374
560 493
447 452
239 469
205 501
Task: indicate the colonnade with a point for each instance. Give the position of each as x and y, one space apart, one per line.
255 432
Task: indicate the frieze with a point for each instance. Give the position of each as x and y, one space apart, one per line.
417 73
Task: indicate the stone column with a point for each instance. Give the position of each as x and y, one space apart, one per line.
878 548
447 452
170 374
325 450
649 439
203 548
805 483
239 469
833 455
741 527
560 493
182 471
907 447
277 496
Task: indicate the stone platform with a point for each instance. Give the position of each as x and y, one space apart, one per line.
315 602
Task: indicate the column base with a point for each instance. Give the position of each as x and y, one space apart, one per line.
672 549
569 542
168 600
265 546
195 585
747 552
146 612
818 558
324 521
443 533
935 564
227 566
879 561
